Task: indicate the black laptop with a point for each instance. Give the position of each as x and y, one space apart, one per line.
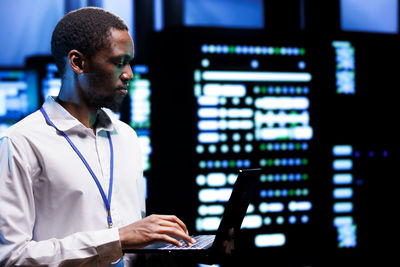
223 242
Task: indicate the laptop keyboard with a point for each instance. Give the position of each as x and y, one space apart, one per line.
202 241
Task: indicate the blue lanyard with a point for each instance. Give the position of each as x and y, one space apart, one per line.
107 201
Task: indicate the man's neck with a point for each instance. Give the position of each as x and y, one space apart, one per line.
84 114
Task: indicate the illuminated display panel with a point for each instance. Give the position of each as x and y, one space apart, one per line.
301 110
51 83
140 110
253 110
343 195
345 67
18 96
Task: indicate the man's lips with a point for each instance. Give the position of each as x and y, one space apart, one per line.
123 90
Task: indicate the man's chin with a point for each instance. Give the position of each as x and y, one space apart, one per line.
114 107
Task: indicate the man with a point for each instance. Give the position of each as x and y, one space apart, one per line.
71 185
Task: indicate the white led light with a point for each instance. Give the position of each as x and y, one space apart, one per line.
287 103
252 222
342 164
342 150
227 90
342 178
216 179
256 76
299 206
270 240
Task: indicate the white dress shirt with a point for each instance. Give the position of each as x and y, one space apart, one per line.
51 211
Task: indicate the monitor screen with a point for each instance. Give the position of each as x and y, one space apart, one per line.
18 95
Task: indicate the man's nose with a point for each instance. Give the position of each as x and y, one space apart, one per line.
127 74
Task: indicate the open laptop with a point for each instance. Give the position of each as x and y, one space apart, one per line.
223 242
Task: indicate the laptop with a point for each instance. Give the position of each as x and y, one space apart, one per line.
223 242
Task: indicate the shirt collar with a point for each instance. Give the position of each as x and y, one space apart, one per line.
65 121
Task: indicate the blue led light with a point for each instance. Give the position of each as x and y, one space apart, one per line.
239 163
210 164
254 64
225 164
276 146
291 146
304 146
141 69
204 48
284 192
263 193
246 163
301 65
304 219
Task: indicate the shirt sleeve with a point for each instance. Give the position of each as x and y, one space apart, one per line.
17 221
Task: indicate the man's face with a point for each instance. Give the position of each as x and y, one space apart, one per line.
109 72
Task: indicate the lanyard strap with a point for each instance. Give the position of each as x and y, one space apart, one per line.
107 201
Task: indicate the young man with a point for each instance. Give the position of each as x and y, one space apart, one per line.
71 185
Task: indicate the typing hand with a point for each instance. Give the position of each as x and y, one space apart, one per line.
154 228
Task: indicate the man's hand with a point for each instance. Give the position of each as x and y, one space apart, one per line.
154 228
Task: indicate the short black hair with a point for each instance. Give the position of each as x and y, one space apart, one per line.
86 30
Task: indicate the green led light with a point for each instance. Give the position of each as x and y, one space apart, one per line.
305 176
263 89
291 192
262 147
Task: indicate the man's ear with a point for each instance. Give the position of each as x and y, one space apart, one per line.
77 61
